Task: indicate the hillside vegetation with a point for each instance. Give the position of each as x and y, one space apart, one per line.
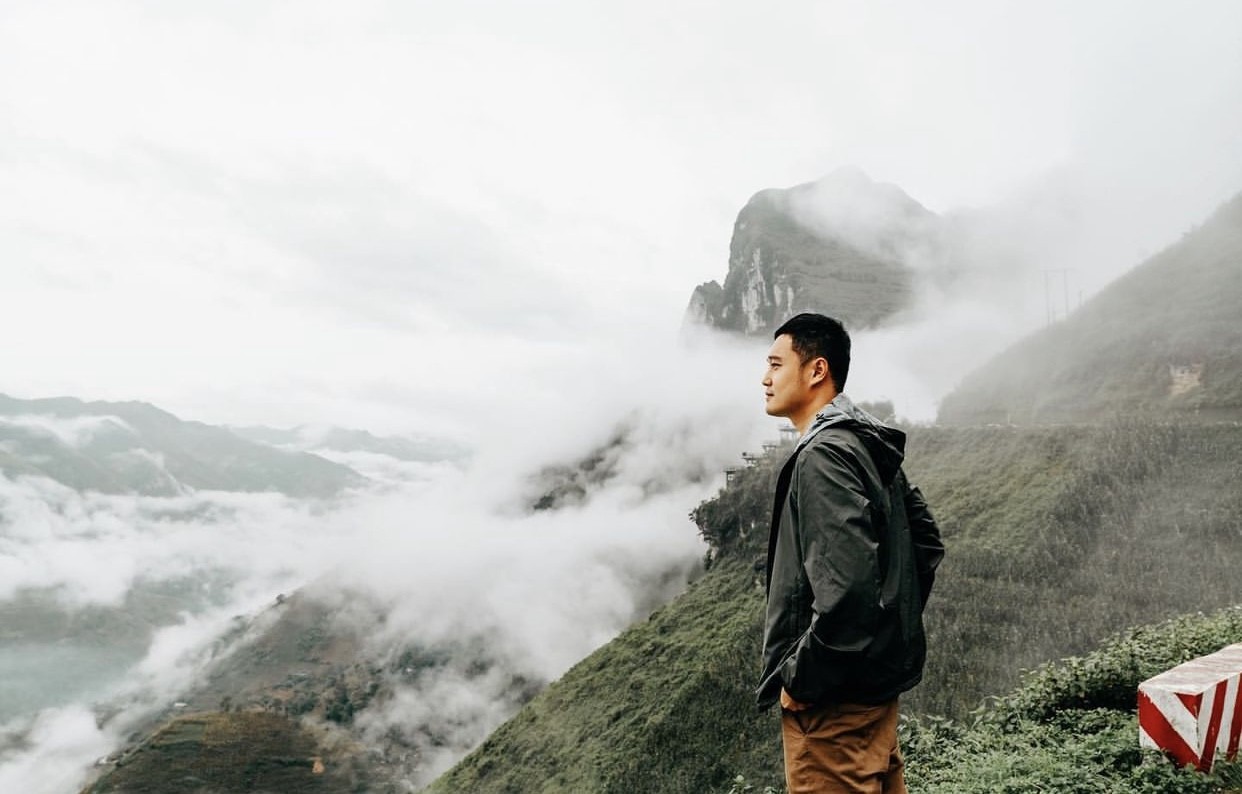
1164 339
1057 539
1071 726
230 752
277 704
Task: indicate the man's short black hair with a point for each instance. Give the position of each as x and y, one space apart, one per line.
820 336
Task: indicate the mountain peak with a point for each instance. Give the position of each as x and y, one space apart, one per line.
838 245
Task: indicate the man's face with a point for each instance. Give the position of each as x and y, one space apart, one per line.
787 381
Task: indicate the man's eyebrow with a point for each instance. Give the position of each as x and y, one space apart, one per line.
773 358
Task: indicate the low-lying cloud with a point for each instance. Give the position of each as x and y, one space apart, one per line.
72 431
450 556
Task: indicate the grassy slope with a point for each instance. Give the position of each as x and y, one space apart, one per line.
1057 539
1179 308
242 729
628 716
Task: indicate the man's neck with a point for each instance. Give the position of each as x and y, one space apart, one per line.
803 421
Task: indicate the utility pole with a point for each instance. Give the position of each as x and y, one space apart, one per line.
1047 300
1048 273
1065 287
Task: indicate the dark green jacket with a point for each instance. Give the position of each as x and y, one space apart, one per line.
852 554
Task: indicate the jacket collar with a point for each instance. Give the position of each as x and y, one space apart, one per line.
840 410
885 444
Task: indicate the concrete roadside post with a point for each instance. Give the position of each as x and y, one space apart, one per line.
1193 712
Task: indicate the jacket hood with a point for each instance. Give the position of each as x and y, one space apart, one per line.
887 445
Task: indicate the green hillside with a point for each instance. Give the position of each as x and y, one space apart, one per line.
662 708
1057 538
1164 339
232 752
272 713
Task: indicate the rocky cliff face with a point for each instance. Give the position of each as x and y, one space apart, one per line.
845 246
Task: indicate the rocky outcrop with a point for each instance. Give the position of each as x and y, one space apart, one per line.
845 246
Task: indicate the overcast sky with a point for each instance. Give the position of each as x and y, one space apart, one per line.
393 215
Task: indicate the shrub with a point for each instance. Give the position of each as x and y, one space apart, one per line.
1071 727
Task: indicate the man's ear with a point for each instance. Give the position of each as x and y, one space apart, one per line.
819 371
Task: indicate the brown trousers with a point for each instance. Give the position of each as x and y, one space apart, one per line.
842 749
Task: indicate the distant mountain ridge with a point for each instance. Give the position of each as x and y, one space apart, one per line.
1165 339
339 439
120 447
135 447
841 245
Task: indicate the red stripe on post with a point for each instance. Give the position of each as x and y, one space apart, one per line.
1163 733
1213 729
1193 701
1235 731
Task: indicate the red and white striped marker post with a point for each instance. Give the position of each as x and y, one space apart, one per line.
1193 712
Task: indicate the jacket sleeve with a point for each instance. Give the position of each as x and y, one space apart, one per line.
925 535
840 556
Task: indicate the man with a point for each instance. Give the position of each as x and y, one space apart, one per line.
852 554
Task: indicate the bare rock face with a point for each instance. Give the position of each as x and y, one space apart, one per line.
844 246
